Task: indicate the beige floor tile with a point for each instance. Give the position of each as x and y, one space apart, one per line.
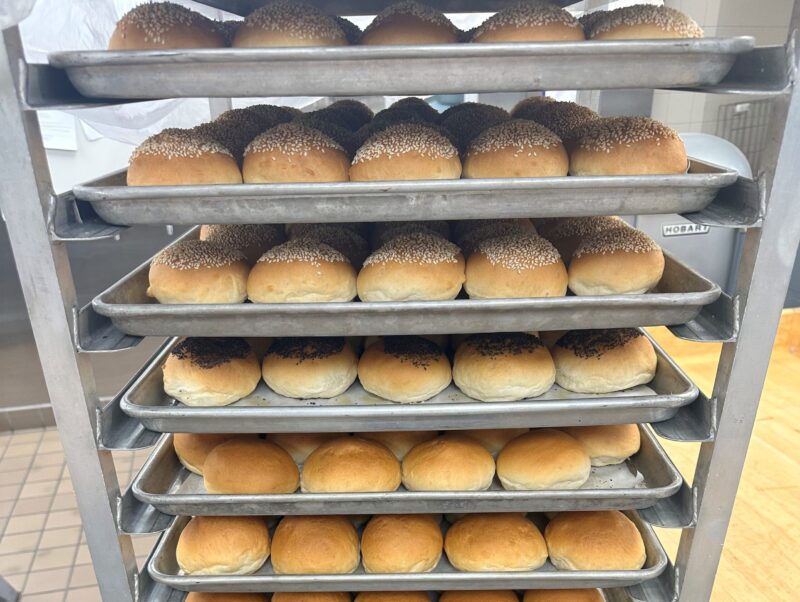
16 581
47 581
42 488
63 518
42 460
83 556
27 436
82 576
33 505
65 501
84 594
24 450
25 524
55 538
9 492
23 542
5 508
15 563
53 558
143 544
44 473
11 464
65 486
48 597
14 477
50 446
51 434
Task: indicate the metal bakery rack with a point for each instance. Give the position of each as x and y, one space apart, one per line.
648 487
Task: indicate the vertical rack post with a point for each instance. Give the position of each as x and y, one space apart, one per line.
49 290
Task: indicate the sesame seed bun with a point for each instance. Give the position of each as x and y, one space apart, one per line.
350 464
467 120
235 129
594 541
250 466
223 545
162 25
604 361
404 369
617 261
643 22
228 597
524 108
543 459
300 445
206 372
302 271
566 234
315 545
451 462
341 136
399 442
383 232
398 543
503 367
563 595
607 444
392 597
502 595
495 542
409 22
192 449
287 23
253 240
516 148
515 266
494 439
470 233
345 240
530 22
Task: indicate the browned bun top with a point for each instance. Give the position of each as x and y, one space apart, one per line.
192 449
594 343
315 545
401 543
250 466
562 595
525 107
197 254
305 250
236 597
294 138
417 248
210 352
403 139
155 25
174 142
470 120
351 464
519 134
251 239
518 251
383 232
358 113
529 20
352 32
627 240
349 243
289 23
500 595
615 24
562 118
410 22
470 233
580 227
417 106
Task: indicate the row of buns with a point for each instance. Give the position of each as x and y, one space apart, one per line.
533 595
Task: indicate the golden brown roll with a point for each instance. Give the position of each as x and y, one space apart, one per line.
383 232
643 22
412 267
406 151
310 367
161 25
566 234
192 449
399 442
409 22
467 120
315 545
616 262
404 369
250 465
285 23
515 266
516 148
470 233
294 152
401 543
607 444
530 22
563 595
302 271
594 541
451 462
345 240
500 595
494 439
562 118
205 372
543 459
392 597
495 542
229 597
525 107
620 146
604 361
175 157
300 445
223 545
350 464
503 367
253 240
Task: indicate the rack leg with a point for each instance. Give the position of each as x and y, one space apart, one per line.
49 291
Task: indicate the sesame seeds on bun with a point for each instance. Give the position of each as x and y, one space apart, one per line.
197 254
562 118
470 233
283 23
383 232
251 239
566 234
470 119
345 240
410 22
642 21
529 21
160 25
531 103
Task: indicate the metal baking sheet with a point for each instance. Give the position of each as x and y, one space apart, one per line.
393 70
356 410
640 482
569 196
163 567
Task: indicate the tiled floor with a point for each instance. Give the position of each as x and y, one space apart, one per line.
43 552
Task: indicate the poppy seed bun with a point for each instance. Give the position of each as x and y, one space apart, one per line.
643 22
207 372
383 232
501 595
516 148
409 22
607 444
562 118
470 233
451 462
562 595
300 445
392 597
249 466
614 262
604 361
349 464
253 240
229 597
523 108
495 542
566 234
503 367
401 543
543 459
223 545
192 449
310 367
162 25
404 369
494 439
400 442
466 121
315 545
348 242
302 271
515 266
530 21
417 106
619 146
594 541
286 23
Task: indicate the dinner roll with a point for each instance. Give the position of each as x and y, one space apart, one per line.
392 597
345 240
399 442
607 444
230 597
253 240
495 542
401 543
315 545
302 271
310 367
192 449
203 372
451 462
300 445
175 157
604 361
294 152
563 595
470 233
619 146
566 234
516 148
162 25
223 545
515 266
250 465
350 464
409 22
527 106
503 367
467 120
543 459
500 595
529 21
311 597
412 267
562 118
594 541
614 262
643 22
494 439
284 23
404 369
406 151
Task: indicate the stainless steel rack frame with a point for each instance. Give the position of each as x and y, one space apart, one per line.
39 226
